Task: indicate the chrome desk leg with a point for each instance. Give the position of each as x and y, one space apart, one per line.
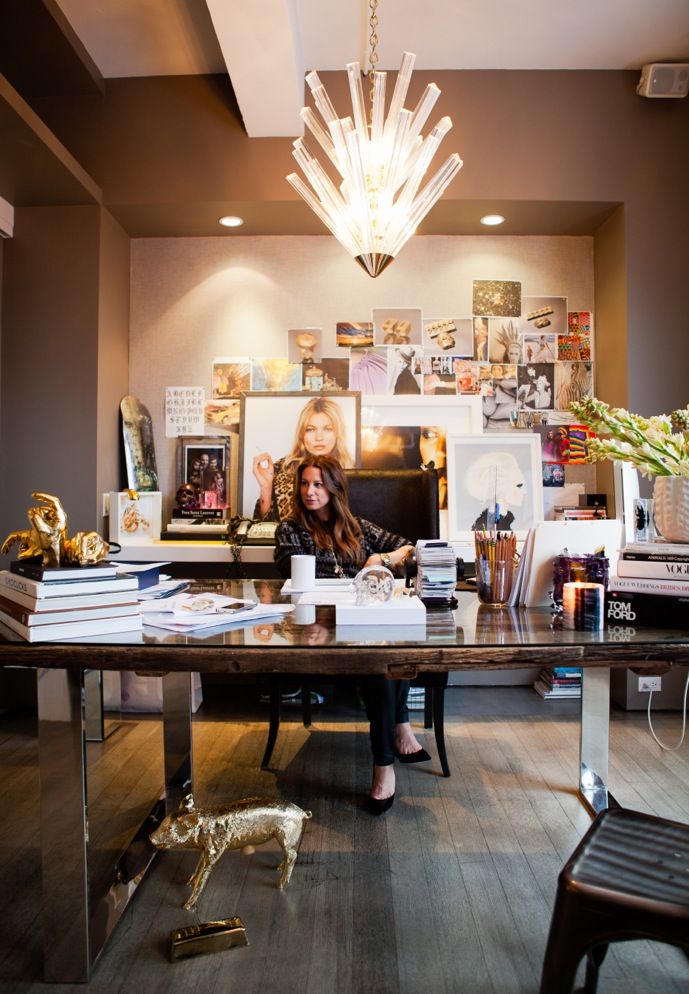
64 826
593 746
177 737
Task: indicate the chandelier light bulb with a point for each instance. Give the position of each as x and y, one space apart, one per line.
376 200
231 221
492 219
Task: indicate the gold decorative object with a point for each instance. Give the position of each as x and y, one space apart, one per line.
208 937
242 824
47 537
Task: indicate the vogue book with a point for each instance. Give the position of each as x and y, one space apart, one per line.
635 584
648 568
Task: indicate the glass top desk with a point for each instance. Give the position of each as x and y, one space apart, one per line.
77 920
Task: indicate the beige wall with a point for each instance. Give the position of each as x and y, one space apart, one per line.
196 298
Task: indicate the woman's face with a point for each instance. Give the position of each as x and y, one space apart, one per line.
432 447
319 435
314 493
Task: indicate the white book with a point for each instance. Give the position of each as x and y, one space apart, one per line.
658 548
34 588
67 603
649 569
36 618
670 588
74 629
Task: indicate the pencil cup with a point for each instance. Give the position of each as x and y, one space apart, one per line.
494 578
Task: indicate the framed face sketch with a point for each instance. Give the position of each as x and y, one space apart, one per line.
204 463
493 481
278 430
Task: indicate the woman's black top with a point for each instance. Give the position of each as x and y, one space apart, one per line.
293 540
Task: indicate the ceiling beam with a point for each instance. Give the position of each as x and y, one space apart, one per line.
259 43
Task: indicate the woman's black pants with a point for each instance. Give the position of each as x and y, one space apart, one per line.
386 706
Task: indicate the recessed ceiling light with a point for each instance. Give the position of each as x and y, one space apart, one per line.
230 221
492 219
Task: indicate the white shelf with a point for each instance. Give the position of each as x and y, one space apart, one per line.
191 552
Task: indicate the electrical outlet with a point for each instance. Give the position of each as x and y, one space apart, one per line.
648 683
106 505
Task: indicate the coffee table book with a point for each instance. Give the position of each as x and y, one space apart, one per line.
38 589
47 615
651 610
69 630
34 570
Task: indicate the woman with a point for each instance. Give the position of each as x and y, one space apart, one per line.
323 526
320 432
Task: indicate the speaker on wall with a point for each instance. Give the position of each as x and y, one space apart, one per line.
664 79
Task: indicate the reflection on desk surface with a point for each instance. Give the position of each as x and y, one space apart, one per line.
468 624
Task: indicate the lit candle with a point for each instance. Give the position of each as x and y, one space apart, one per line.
582 606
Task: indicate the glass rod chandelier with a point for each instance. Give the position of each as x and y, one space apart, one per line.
379 202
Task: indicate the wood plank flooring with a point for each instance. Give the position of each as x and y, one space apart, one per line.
450 892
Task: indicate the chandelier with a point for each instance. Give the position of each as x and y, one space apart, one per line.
378 202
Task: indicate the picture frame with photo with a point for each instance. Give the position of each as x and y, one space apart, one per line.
278 429
430 419
493 480
204 463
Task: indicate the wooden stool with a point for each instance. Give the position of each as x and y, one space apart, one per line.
627 879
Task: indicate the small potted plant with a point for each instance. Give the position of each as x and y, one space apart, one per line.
657 446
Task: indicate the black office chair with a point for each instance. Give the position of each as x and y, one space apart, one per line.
404 502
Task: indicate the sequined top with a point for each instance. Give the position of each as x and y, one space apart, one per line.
293 540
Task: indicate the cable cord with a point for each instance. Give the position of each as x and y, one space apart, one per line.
662 745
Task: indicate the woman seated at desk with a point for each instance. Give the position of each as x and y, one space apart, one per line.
323 526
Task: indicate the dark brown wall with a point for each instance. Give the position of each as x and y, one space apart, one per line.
64 271
524 136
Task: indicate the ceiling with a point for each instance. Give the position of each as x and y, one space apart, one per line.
267 46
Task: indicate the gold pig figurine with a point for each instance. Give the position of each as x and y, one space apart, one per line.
249 822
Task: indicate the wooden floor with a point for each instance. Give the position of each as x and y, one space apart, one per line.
451 891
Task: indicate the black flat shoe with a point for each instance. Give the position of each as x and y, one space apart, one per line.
377 805
420 756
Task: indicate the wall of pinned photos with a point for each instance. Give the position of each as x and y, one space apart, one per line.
487 334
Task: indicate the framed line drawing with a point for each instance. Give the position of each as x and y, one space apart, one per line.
277 430
135 522
493 473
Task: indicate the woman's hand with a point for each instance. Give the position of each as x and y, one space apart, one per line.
263 469
396 557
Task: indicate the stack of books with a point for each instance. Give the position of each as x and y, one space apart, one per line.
49 604
650 586
559 682
436 572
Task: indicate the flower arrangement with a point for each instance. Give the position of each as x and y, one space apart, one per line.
657 446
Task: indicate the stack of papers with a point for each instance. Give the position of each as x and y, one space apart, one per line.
166 588
192 612
436 574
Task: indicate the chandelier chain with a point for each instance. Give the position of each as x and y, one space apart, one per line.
373 42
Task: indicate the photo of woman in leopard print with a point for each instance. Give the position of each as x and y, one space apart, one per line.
320 431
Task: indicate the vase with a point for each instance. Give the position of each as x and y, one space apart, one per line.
671 506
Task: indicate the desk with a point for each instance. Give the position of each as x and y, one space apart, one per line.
77 920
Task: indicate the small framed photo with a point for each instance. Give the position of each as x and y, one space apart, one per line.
135 521
204 464
493 481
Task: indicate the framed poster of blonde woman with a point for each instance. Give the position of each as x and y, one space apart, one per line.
278 430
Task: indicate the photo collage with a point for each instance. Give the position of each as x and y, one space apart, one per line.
524 359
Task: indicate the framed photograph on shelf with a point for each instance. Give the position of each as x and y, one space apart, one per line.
204 463
278 429
403 432
493 480
135 521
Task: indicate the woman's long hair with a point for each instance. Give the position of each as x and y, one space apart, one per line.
340 533
319 405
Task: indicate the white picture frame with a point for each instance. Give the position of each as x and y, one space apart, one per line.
483 470
268 425
136 522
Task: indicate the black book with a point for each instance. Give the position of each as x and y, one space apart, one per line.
651 610
33 569
198 512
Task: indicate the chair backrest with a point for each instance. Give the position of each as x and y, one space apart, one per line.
404 501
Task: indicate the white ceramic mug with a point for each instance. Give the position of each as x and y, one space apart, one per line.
303 572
